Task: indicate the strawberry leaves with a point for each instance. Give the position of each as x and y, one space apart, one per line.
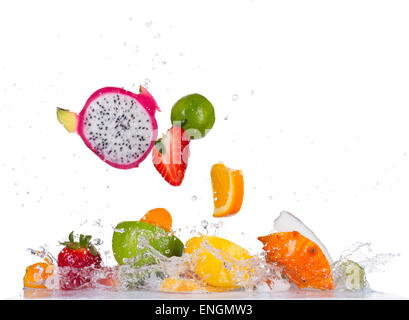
83 243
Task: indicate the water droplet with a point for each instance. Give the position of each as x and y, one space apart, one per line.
235 97
216 227
97 242
146 83
194 198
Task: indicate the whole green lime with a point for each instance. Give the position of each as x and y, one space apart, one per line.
138 243
195 114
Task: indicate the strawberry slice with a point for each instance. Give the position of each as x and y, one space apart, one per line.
170 155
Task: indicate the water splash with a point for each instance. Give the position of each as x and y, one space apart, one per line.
204 225
249 274
366 257
43 254
146 82
355 263
253 274
216 227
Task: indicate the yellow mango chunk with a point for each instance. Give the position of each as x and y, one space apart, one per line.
219 262
68 119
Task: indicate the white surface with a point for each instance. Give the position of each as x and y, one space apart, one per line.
239 295
315 94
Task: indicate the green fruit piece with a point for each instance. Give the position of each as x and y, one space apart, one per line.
138 243
195 114
355 276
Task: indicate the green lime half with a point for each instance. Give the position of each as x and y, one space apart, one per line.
195 114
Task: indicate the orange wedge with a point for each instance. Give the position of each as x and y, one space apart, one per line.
228 190
188 285
302 260
159 217
36 274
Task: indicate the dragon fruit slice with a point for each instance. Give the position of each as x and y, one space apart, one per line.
117 125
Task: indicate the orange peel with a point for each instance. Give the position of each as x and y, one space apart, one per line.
159 217
302 260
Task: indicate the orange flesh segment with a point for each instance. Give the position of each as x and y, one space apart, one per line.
228 190
302 260
36 274
159 217
188 285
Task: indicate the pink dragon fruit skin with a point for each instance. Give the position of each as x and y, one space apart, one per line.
135 129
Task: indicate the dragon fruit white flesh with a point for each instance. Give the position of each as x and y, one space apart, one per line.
117 125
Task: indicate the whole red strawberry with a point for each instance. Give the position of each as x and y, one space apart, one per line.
170 155
76 262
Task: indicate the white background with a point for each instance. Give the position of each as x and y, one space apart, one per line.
314 93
